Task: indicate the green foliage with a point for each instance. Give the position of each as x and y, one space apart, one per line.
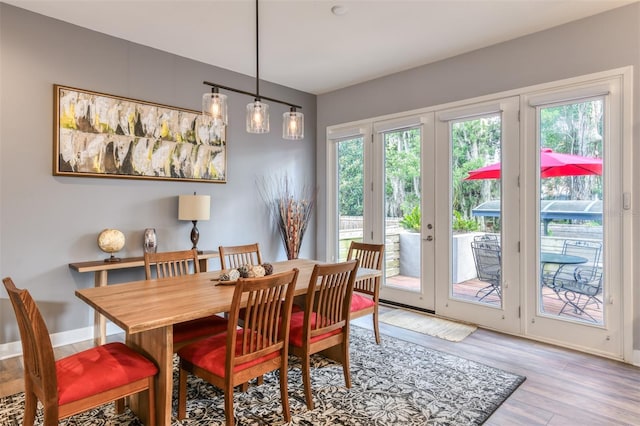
411 221
462 224
351 177
402 171
574 128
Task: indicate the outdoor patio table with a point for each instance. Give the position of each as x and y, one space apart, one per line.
561 259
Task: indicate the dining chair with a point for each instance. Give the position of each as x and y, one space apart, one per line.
81 381
175 264
366 292
248 350
487 259
578 288
324 323
235 256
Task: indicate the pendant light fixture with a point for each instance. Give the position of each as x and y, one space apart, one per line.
293 125
214 105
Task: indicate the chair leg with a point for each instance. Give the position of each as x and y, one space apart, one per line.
120 406
284 391
50 415
376 328
345 364
228 406
151 393
306 380
182 394
30 409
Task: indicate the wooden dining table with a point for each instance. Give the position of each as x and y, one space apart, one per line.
147 310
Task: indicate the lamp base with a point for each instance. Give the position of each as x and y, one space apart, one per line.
112 259
195 236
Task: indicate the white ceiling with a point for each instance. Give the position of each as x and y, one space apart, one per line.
306 47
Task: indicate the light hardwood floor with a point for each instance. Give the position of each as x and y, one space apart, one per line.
563 387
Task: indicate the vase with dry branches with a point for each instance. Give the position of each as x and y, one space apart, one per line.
290 208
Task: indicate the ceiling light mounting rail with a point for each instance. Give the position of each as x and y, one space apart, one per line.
254 95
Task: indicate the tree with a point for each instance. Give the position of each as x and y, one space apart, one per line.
402 171
351 175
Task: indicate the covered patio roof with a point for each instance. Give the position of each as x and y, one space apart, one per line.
551 209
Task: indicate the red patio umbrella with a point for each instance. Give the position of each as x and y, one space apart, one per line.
552 164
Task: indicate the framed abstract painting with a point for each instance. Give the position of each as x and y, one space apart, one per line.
100 135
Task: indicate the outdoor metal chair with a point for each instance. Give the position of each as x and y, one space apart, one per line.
589 250
487 259
579 287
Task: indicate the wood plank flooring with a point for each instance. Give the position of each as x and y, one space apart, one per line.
563 387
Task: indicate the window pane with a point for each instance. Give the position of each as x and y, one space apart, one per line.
350 193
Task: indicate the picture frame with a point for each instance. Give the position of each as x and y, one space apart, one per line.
101 135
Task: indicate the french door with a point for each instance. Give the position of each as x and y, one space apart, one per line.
573 225
383 195
478 213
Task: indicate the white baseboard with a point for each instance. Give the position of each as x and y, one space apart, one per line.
636 358
12 349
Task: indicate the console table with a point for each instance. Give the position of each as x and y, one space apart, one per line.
100 268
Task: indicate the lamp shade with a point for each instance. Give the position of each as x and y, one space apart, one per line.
293 125
214 105
194 207
257 117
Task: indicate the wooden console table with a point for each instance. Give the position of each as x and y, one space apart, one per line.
101 268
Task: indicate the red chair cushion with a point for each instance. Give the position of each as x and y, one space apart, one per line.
99 369
297 324
200 327
210 354
359 302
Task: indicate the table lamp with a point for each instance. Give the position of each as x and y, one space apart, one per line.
194 208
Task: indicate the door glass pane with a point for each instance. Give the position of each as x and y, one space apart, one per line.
570 206
402 197
476 210
350 193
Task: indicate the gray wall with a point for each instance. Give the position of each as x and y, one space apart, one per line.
46 222
606 41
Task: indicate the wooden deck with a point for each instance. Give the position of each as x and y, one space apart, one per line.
467 290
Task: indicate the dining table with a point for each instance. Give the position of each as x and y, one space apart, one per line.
147 310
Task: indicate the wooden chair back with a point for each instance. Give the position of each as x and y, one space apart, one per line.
39 359
366 297
253 345
127 372
324 323
232 257
371 256
265 322
171 263
328 298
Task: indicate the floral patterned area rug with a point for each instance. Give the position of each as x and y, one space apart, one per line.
394 383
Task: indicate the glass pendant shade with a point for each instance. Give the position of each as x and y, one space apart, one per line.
293 125
214 105
257 117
